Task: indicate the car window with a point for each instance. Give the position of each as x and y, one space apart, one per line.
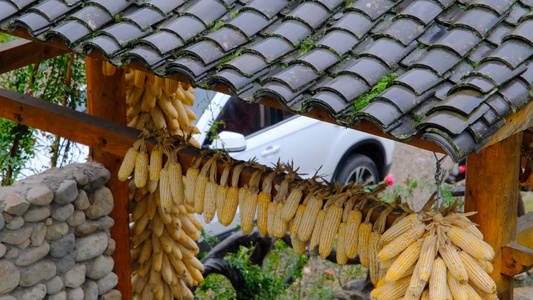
246 119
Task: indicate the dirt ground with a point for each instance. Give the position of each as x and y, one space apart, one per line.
414 163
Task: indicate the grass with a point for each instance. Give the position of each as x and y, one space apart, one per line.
528 201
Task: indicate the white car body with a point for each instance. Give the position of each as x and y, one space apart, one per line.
309 143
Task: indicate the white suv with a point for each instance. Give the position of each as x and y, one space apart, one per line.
268 134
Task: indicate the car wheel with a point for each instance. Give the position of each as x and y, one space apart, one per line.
357 168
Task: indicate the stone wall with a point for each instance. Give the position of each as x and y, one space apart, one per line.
54 236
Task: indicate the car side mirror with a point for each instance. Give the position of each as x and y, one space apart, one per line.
229 141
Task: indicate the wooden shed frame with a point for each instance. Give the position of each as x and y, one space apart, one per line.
491 181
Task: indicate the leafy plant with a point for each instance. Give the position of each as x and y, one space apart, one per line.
377 89
305 46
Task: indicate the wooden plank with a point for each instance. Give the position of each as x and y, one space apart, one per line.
82 128
492 191
106 98
20 53
517 259
524 230
514 123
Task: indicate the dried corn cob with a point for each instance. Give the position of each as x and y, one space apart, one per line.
263 200
315 238
454 263
470 243
404 262
222 189
399 228
210 195
156 162
232 197
363 233
331 224
437 282
248 209
401 243
374 246
477 275
312 208
291 205
341 250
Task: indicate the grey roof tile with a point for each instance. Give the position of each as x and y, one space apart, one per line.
451 121
289 77
227 38
319 59
516 93
147 55
478 83
125 32
461 69
400 96
419 80
512 52
432 34
339 41
356 23
206 50
162 41
92 16
498 33
388 51
440 60
498 72
373 8
464 102
528 3
380 112
413 56
104 43
499 105
164 6
51 9
186 27
7 9
445 3
499 6
293 31
278 89
23 3
346 86
517 11
460 40
449 16
404 30
328 100
33 21
72 31
331 4
235 79
310 13
491 117
441 90
269 8
207 11
480 20
423 10
479 130
247 64
482 50
369 69
523 32
527 75
144 17
113 7
249 22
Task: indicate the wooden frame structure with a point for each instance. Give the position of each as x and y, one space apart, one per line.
492 174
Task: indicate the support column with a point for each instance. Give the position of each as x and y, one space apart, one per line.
492 191
106 99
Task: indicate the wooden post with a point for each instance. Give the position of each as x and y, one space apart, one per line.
492 191
106 99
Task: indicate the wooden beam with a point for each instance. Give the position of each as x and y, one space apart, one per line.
492 191
106 98
524 230
518 122
20 53
517 259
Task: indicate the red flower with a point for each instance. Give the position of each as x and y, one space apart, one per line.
389 180
462 169
328 275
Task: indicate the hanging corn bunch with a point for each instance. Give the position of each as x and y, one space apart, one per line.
436 255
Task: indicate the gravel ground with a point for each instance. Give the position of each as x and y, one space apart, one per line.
414 163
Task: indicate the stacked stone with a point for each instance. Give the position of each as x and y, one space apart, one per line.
54 236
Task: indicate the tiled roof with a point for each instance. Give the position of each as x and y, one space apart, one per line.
462 65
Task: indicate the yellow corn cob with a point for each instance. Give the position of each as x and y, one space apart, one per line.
158 118
156 161
249 206
374 246
166 270
401 242
137 240
299 246
280 225
210 201
272 209
416 285
133 111
222 190
157 261
179 267
427 256
399 228
195 221
405 261
477 275
485 265
363 234
437 282
189 98
189 227
453 262
297 219
175 179
141 170
315 238
139 79
171 86
199 194
166 242
395 290
196 274
471 244
191 244
472 229
425 295
471 292
146 252
484 295
291 204
186 293
151 207
194 262
156 244
190 114
230 206
183 119
128 164
152 185
352 228
148 100
157 225
138 283
166 105
165 197
307 224
330 229
341 250
263 201
190 183
139 209
134 96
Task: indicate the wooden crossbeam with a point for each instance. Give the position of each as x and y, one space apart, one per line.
516 259
524 230
20 53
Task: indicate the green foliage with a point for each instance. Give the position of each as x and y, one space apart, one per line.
417 118
217 25
16 148
377 89
305 46
228 58
408 188
234 14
